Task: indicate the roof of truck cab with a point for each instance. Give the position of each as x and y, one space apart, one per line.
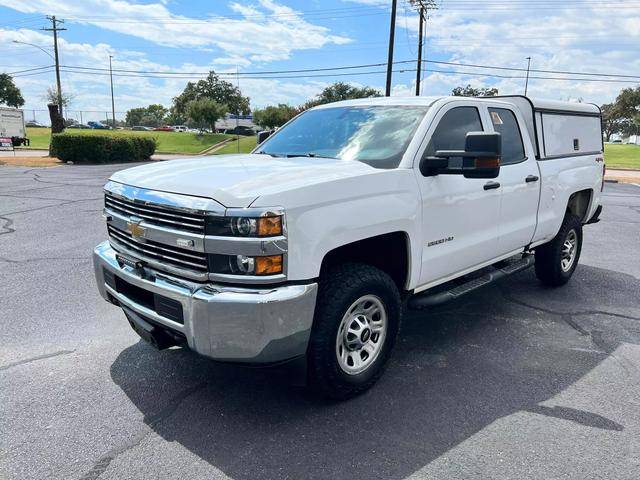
407 101
537 104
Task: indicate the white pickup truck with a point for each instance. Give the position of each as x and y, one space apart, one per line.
309 249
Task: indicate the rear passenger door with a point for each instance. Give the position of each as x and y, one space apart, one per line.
519 178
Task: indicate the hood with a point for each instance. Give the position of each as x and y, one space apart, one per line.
237 180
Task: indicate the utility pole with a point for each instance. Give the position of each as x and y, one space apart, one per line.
526 83
113 105
419 67
55 29
237 110
392 34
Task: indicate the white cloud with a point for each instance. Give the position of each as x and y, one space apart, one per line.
92 92
587 39
265 32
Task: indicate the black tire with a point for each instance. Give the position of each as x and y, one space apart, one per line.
340 287
549 257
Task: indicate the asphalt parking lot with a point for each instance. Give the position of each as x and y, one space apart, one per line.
513 381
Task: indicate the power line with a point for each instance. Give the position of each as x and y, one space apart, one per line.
29 70
563 72
265 72
312 75
317 72
169 74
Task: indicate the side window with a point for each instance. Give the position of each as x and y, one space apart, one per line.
451 132
505 123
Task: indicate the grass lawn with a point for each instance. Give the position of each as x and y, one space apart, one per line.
617 155
246 145
168 142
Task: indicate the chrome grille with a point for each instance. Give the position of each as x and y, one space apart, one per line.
177 257
156 214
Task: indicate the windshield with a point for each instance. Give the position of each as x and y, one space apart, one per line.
376 135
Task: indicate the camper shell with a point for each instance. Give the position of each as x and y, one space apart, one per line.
561 129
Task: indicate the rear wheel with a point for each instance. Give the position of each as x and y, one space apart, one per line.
356 323
557 260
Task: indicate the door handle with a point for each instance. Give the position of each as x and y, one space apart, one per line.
491 185
531 178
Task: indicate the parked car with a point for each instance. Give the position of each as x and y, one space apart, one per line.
78 125
241 130
140 128
98 126
180 128
307 250
34 124
12 126
165 128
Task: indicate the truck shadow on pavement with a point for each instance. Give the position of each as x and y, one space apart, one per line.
456 369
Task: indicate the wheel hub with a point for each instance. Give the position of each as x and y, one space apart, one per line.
361 334
569 248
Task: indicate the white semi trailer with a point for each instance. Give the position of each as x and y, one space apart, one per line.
12 126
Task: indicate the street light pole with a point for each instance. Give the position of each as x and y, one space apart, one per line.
113 104
33 45
392 34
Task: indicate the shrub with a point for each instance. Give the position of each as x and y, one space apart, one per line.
101 148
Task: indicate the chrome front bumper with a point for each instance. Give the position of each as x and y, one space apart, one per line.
252 325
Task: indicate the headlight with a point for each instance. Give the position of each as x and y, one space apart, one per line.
245 265
267 226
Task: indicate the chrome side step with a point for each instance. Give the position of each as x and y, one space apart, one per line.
453 290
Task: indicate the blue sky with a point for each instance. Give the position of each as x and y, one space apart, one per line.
272 35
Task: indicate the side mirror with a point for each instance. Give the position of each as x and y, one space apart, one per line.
480 158
262 136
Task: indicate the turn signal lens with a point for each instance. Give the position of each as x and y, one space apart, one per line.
269 226
270 265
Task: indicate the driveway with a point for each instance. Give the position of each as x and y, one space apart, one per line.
513 381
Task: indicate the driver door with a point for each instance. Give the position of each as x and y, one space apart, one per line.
459 215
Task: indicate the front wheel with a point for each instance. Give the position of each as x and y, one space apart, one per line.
557 260
356 323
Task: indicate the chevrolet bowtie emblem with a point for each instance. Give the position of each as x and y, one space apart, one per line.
134 227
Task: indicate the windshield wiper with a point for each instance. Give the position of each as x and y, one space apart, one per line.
261 152
309 154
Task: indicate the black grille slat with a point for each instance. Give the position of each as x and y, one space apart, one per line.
156 214
174 256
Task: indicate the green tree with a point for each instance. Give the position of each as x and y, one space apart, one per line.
212 88
623 115
628 102
176 118
134 116
205 112
469 91
150 116
51 96
274 115
612 120
340 91
10 94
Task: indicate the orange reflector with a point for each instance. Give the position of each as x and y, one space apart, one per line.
487 162
269 226
270 265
